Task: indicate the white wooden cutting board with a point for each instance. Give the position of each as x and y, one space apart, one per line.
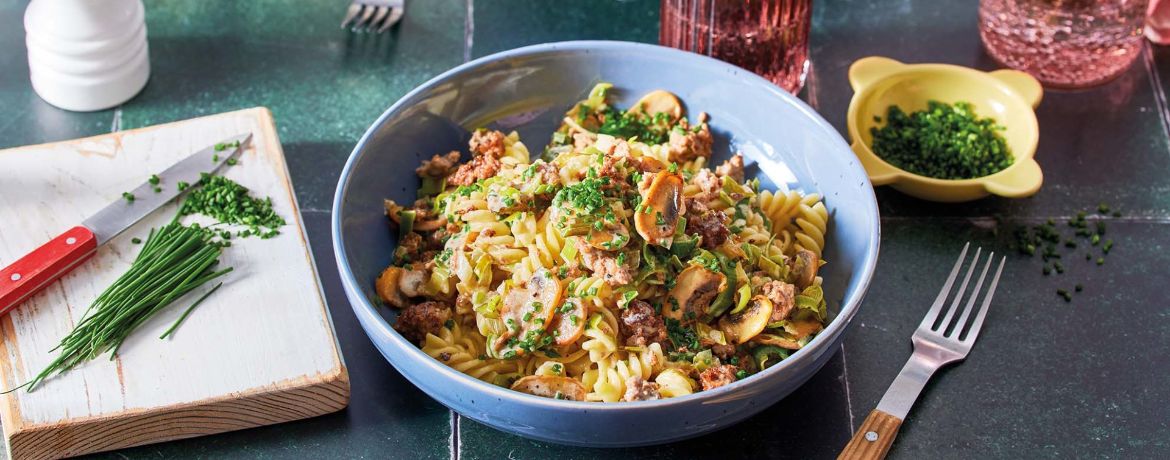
258 351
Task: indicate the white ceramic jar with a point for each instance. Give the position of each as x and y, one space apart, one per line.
86 55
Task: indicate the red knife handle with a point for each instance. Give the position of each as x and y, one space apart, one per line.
44 265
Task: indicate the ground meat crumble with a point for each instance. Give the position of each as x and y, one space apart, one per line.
487 143
416 321
604 264
479 168
710 225
638 389
783 297
732 168
439 166
641 326
717 376
687 144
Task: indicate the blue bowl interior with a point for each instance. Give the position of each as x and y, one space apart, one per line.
786 144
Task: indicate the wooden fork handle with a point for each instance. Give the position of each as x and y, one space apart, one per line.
873 440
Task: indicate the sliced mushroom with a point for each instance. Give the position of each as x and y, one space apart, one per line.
569 325
388 288
528 311
411 282
804 328
659 101
694 290
743 326
803 271
648 164
775 340
550 386
610 238
662 204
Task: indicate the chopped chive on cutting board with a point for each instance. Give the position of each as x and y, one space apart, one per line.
259 351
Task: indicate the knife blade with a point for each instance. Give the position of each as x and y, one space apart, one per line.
50 261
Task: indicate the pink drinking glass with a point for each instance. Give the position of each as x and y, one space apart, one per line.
1064 43
768 37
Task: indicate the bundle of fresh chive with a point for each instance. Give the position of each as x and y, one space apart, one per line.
175 260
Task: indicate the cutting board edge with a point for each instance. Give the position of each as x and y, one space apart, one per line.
262 406
273 396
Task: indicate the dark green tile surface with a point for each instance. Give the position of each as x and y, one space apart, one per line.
1047 379
325 86
505 24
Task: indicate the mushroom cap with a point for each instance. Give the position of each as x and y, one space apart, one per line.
745 325
549 385
694 290
662 205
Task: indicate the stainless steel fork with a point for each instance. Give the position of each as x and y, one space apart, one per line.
939 340
373 15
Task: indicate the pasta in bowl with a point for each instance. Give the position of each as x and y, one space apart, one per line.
795 156
614 265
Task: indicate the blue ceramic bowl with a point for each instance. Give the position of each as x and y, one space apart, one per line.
528 90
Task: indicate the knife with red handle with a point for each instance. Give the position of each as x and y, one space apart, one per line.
45 264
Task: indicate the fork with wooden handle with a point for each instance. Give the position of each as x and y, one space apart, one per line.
940 339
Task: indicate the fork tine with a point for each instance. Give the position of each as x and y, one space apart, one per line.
379 15
395 16
958 300
350 14
958 329
363 21
931 315
978 323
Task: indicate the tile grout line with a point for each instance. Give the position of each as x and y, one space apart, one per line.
1159 93
454 434
469 31
811 84
116 124
848 395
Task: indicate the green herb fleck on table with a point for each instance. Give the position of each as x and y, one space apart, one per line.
129 197
232 161
945 141
154 180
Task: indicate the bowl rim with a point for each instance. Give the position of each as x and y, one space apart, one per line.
350 283
984 78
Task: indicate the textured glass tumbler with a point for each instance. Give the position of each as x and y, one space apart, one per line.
1064 43
768 37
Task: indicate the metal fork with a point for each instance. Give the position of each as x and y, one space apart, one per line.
370 14
937 342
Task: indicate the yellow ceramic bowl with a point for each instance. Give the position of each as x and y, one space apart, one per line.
1008 96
